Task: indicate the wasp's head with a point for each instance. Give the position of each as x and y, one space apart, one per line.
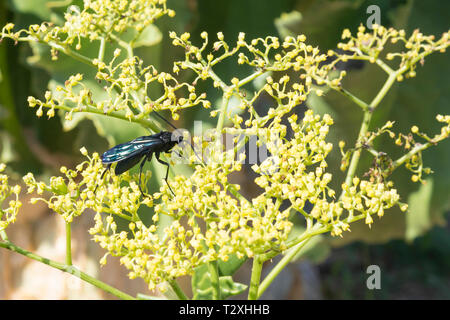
176 137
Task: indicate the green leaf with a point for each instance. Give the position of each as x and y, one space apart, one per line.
38 8
231 266
418 220
149 37
202 289
286 22
230 288
14 145
201 283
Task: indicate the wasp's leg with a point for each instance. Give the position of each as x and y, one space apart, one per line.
148 157
103 174
178 154
167 172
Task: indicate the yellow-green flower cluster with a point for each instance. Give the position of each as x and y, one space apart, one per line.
73 193
369 198
384 165
142 251
296 171
211 222
369 44
285 173
233 223
414 163
269 53
8 214
124 80
96 19
266 55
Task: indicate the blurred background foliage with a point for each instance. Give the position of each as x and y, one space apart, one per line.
412 249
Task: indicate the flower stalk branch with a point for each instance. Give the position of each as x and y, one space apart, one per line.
67 268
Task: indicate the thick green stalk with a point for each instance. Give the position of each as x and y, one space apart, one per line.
176 288
357 153
68 244
223 112
280 266
365 127
417 148
295 246
255 279
101 49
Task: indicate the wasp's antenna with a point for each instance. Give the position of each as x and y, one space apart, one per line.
198 157
164 119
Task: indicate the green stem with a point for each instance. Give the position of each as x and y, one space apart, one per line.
178 291
121 43
249 78
385 89
68 244
101 50
295 247
255 279
223 111
364 106
144 122
130 52
384 66
365 127
280 266
69 269
67 51
357 153
214 276
417 148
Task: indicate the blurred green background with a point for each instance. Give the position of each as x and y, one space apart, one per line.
412 250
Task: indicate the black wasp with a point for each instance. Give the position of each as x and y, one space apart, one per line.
128 154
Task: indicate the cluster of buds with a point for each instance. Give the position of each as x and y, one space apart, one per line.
266 55
73 193
97 19
369 44
8 214
125 81
209 223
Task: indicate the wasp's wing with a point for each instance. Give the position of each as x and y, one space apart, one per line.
128 163
132 150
